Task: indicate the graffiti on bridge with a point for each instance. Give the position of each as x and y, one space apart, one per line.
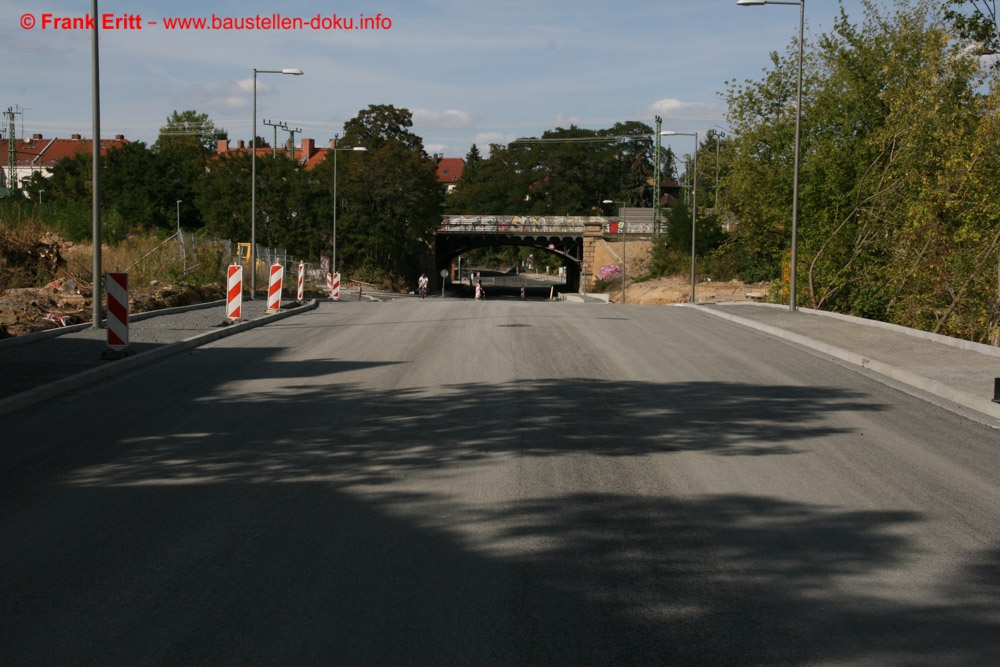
515 224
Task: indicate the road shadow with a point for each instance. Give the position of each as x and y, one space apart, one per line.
192 546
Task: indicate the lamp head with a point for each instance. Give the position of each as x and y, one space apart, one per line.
297 72
751 2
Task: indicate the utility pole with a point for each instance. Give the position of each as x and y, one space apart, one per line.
291 135
12 183
656 182
274 144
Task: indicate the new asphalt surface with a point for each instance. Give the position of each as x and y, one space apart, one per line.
443 482
959 375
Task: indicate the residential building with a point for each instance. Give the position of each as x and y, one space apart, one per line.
449 170
39 155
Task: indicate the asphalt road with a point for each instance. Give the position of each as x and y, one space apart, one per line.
451 482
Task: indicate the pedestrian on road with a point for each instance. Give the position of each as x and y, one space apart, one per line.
422 285
480 292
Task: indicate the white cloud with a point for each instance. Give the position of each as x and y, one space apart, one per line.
445 118
675 108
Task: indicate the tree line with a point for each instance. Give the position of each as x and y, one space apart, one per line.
388 199
899 201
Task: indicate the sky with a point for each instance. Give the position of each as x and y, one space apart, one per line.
475 72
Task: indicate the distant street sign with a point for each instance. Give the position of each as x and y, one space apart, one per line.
444 273
585 264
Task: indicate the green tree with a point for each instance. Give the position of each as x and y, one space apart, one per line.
473 162
566 171
222 196
389 200
183 148
975 21
897 216
189 131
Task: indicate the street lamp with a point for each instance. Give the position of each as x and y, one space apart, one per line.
361 149
623 220
253 174
798 126
694 195
180 238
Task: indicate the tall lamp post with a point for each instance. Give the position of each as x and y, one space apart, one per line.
623 220
361 149
253 175
694 195
180 238
798 130
95 190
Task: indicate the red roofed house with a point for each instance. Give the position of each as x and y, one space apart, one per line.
39 154
449 170
307 153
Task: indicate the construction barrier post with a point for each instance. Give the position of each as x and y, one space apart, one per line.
335 289
117 290
302 277
234 294
274 288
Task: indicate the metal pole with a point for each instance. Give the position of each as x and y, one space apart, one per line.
96 175
694 208
795 181
656 181
253 193
624 216
180 236
336 140
716 207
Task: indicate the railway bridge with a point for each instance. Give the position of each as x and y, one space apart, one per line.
573 238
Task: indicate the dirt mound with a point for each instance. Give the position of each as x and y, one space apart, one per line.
677 289
28 253
64 302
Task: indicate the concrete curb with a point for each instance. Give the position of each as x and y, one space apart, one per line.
138 317
916 333
48 391
967 400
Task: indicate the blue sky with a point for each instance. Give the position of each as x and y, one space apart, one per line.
474 72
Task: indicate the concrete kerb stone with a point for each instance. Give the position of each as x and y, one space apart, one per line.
967 400
138 317
46 392
916 333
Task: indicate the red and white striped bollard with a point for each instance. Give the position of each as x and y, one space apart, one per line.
234 293
302 278
117 289
274 287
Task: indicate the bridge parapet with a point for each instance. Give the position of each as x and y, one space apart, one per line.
516 224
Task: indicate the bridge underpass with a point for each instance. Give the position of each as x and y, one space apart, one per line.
572 238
